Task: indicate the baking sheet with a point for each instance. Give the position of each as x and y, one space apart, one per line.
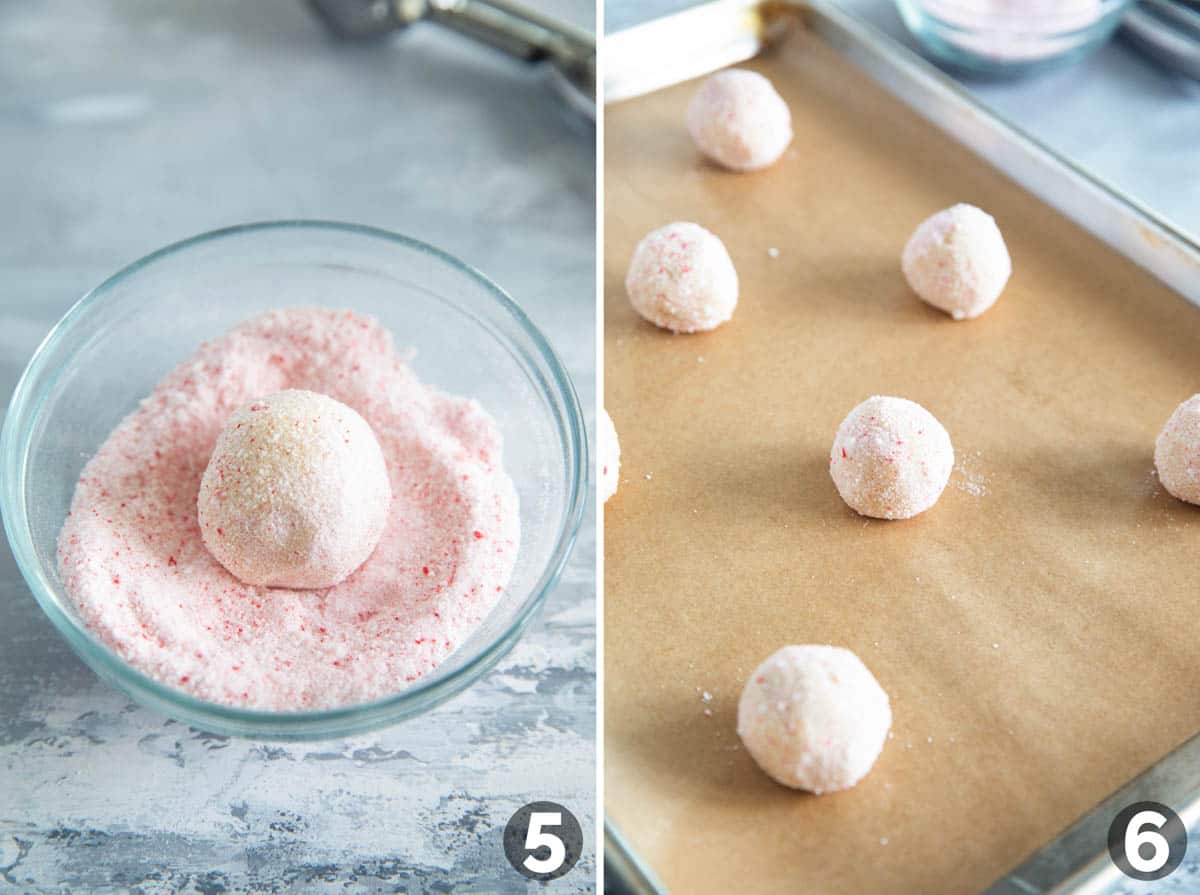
1035 630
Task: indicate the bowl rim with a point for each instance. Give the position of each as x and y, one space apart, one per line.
990 21
418 696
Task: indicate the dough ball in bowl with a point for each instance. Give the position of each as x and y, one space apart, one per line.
1177 452
682 279
609 459
296 492
891 458
738 120
814 718
957 261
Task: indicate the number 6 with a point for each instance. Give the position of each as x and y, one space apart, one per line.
536 837
1135 837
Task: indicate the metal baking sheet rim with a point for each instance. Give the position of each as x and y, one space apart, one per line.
701 40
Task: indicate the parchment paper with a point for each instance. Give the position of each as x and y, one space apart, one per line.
1036 630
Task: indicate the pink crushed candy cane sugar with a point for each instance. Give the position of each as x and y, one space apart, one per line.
133 561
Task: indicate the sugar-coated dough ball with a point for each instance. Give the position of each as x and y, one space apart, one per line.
814 717
609 460
296 492
682 279
1177 452
957 261
739 121
891 458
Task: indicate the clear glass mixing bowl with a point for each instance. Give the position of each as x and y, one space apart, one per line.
469 339
1010 37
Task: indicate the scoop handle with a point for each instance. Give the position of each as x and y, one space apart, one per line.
504 24
507 25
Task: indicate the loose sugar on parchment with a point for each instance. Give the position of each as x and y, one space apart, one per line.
969 477
706 697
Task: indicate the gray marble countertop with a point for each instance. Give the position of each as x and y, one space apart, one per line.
128 124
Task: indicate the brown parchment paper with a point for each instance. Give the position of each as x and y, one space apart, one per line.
1036 630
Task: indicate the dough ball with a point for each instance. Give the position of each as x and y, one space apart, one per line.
682 279
739 121
957 261
891 458
1177 452
296 492
609 459
814 717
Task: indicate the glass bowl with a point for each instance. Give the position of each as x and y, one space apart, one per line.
1010 37
469 339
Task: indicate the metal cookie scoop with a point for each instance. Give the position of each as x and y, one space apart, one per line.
508 26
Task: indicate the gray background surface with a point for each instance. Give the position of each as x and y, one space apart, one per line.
128 124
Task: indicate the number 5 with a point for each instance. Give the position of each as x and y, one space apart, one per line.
1136 837
536 837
